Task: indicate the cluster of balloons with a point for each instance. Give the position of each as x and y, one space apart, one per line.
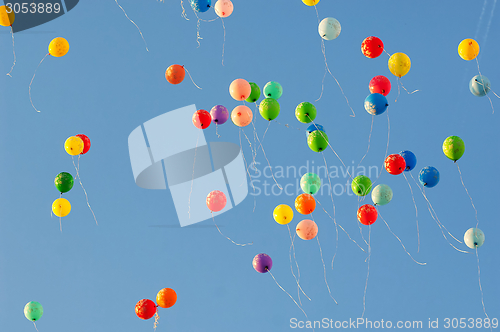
479 85
317 140
145 308
223 8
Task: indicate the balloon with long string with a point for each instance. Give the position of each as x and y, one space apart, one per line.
399 65
220 115
61 208
123 10
223 9
7 17
33 311
175 74
410 163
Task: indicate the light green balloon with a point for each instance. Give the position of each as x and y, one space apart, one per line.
269 109
273 90
453 147
474 238
361 185
381 194
33 311
310 183
317 141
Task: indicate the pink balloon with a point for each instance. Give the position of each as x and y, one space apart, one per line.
241 115
307 229
223 8
240 89
216 201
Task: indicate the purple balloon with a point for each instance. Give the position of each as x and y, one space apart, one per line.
262 263
219 114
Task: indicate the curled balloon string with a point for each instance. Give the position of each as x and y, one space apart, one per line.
183 11
475 210
251 180
369 140
198 37
297 278
416 211
32 81
192 178
35 326
480 287
405 88
264 152
368 269
223 28
217 130
489 89
13 51
81 184
238 244
133 23
192 78
156 319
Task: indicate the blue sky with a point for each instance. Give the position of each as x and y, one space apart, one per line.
89 277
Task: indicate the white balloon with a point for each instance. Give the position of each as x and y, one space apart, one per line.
329 28
474 238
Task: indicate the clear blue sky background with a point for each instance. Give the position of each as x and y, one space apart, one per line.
89 277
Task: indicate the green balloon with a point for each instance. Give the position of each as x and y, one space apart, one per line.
361 185
310 183
381 194
269 109
33 311
453 147
273 90
305 112
255 94
64 182
317 140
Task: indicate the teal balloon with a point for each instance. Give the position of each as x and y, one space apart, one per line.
273 90
33 311
310 183
479 85
64 182
381 194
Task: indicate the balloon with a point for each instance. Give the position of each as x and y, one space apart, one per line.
6 18
240 89
468 49
376 104
428 176
361 185
399 64
64 182
216 201
33 311
273 90
381 194
380 84
175 74
317 141
166 297
241 116
262 263
307 229
219 114
367 214
283 214
58 47
474 238
202 119
410 160
223 8
61 207
310 183
201 5
86 143
312 128
74 145
145 309
479 85
269 109
329 28
395 164
305 204
305 112
255 94
453 147
372 47
310 2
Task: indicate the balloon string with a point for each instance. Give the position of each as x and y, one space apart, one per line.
322 86
399 239
368 269
407 90
13 51
192 79
224 28
217 130
475 210
359 224
386 148
399 82
264 152
192 177
387 53
416 211
35 326
489 89
251 180
33 79
80 180
369 139
324 270
287 125
133 23
297 278
183 11
238 244
480 287
156 320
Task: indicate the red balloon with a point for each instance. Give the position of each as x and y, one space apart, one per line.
380 84
86 143
395 164
367 214
372 47
202 119
145 309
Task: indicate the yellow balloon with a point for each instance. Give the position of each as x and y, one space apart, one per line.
61 207
468 49
58 47
6 18
73 145
399 64
283 214
310 2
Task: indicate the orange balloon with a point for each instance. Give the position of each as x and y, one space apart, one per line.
175 74
166 298
305 204
307 229
240 89
241 116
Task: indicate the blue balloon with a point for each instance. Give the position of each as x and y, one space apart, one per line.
201 5
312 128
428 176
479 85
410 160
376 104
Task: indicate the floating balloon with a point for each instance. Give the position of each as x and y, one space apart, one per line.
255 94
410 160
145 309
219 114
399 64
273 90
372 47
216 200
310 2
166 298
33 311
175 74
329 28
395 164
381 194
283 214
58 47
307 229
312 128
310 183
74 145
223 8
453 147
305 112
468 49
262 263
479 86
269 109
428 176
202 119
241 116
61 207
64 182
376 104
240 89
380 84
317 141
474 238
367 214
305 204
86 143
7 16
361 185
201 5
